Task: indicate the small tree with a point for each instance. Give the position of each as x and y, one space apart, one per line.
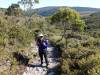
14 9
28 4
70 19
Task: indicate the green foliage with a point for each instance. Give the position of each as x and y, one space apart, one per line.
20 34
2 42
3 30
28 3
65 14
81 56
36 1
93 24
69 18
80 25
14 9
16 35
9 68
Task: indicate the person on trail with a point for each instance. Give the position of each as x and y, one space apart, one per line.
42 44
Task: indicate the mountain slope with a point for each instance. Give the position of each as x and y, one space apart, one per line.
46 11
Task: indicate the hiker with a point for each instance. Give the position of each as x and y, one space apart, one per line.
42 44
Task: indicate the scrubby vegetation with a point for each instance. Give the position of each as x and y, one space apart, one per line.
16 35
79 48
82 55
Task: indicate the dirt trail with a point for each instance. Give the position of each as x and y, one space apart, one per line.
34 67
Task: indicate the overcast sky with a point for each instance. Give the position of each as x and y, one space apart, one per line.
44 3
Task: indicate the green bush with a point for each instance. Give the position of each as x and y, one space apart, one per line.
11 67
81 57
15 36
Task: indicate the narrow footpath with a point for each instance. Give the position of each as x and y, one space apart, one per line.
34 67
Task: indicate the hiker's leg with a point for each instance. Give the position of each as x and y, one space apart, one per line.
45 56
41 57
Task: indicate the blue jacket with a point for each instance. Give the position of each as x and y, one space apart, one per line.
42 44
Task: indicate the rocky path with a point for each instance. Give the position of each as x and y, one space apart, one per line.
34 67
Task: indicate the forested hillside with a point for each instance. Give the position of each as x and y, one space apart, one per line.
46 11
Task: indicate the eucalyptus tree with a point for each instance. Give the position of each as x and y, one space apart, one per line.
70 19
28 5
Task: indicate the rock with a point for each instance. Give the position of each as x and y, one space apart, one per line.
51 73
24 73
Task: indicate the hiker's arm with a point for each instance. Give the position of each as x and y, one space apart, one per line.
46 43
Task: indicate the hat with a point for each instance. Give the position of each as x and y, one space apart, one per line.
40 35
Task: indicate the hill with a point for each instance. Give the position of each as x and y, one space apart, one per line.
46 11
93 21
3 9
